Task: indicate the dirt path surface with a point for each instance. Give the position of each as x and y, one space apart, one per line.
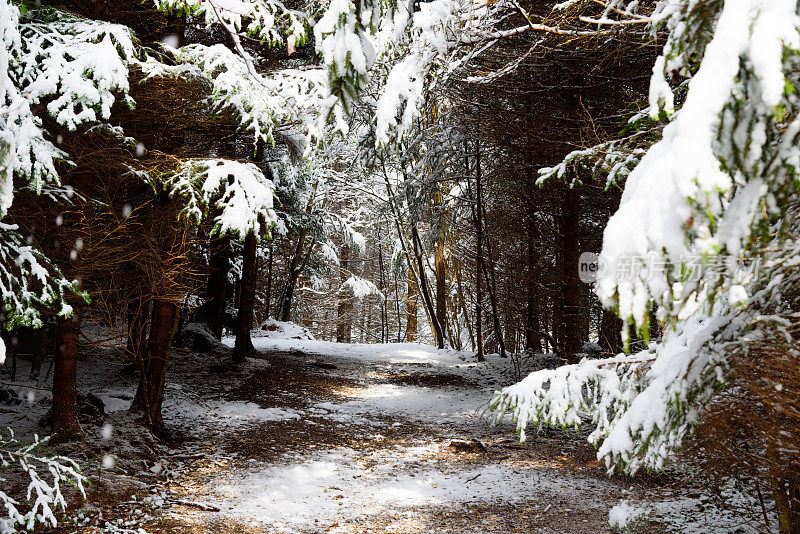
379 440
316 437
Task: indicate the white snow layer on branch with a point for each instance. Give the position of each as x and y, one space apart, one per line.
269 20
413 45
612 159
712 189
76 67
699 191
262 102
28 280
46 495
351 237
344 40
237 195
361 287
436 30
641 405
328 253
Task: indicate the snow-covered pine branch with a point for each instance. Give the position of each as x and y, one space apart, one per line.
613 160
77 68
641 405
262 104
237 196
349 235
435 31
697 213
362 287
268 20
343 37
723 164
44 491
28 281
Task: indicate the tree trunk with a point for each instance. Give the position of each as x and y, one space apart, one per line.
533 341
217 288
784 492
39 347
423 282
383 310
463 302
570 281
268 298
491 285
477 218
65 402
440 267
344 315
162 330
411 307
247 299
295 268
610 332
294 274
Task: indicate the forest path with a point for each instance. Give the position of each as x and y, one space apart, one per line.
320 437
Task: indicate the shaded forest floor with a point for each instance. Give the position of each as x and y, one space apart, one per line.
317 437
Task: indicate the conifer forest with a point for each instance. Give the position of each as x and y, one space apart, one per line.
400 266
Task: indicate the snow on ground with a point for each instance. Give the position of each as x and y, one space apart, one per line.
282 330
341 485
412 402
407 400
333 489
386 352
229 413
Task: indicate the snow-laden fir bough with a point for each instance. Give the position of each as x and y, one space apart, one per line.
699 205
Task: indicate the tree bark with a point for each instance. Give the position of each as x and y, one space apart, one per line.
570 281
217 287
463 302
247 299
65 425
344 319
423 282
162 330
440 267
294 274
491 285
384 311
38 346
533 341
610 332
268 298
477 218
411 307
297 263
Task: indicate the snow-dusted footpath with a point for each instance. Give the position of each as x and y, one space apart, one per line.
314 436
390 466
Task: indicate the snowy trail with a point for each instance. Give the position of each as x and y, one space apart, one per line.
315 437
385 464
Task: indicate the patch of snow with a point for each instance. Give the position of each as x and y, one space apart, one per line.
336 486
624 515
282 330
412 402
394 353
229 413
